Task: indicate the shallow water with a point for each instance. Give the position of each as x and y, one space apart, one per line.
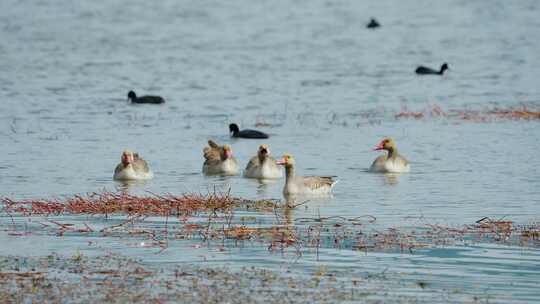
328 89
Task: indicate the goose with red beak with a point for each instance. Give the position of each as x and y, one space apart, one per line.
219 160
132 167
304 185
263 166
392 161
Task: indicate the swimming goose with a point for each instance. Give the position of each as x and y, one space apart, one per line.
392 162
145 99
132 167
246 133
263 165
373 24
422 70
304 184
219 160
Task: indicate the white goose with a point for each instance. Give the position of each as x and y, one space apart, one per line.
263 166
132 167
392 162
310 185
219 160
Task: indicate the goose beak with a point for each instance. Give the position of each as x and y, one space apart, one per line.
228 153
281 162
264 151
379 147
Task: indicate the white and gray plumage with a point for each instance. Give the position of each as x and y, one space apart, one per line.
306 185
392 162
219 160
263 166
132 167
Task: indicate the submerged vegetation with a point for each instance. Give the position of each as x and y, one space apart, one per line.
118 279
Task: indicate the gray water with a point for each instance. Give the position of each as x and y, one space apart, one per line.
324 87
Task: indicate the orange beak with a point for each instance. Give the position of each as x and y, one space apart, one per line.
380 146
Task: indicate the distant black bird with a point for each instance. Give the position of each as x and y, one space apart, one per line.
373 24
145 99
247 133
422 70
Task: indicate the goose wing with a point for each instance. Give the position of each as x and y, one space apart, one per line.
140 165
253 163
317 182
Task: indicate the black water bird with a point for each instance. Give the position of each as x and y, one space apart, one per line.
145 99
373 24
246 133
422 70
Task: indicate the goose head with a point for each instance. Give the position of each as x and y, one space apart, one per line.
287 160
127 157
226 152
264 151
387 144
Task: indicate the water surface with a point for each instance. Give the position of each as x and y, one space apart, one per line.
319 82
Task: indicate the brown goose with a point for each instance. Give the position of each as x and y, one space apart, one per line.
132 167
392 162
263 166
304 184
219 160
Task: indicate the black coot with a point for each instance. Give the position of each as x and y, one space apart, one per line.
145 99
373 24
247 133
422 70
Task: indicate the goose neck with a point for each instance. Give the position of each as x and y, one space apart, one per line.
289 172
392 152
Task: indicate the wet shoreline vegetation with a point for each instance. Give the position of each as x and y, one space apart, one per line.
117 279
222 223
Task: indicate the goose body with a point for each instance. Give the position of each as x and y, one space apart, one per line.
422 70
219 160
132 167
392 162
246 133
263 166
304 185
145 99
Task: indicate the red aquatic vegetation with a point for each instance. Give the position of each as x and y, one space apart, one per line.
516 114
222 225
431 111
436 111
106 203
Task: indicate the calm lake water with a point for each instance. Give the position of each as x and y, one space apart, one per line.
323 86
